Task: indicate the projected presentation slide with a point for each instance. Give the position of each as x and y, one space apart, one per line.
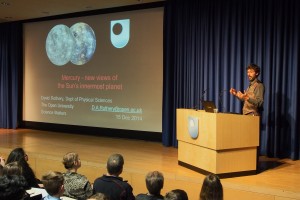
100 71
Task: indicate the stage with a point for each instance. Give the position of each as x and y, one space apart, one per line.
278 178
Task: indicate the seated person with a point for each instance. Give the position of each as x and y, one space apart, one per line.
12 168
2 161
76 185
21 157
54 185
154 183
112 184
176 195
12 187
211 188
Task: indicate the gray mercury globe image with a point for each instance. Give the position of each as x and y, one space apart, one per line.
59 45
85 43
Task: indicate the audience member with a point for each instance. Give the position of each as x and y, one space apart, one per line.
21 157
99 196
176 195
211 188
12 168
13 188
154 184
112 184
2 163
54 185
76 185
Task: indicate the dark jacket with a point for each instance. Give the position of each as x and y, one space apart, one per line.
114 187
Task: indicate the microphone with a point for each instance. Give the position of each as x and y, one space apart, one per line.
202 96
195 108
221 93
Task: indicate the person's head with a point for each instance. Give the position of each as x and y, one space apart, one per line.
53 183
12 168
13 187
115 164
211 188
253 71
71 161
18 154
154 182
176 195
99 196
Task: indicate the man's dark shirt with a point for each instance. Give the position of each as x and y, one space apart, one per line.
114 187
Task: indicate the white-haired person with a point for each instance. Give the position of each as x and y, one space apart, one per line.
77 186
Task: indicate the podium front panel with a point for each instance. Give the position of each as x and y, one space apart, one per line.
217 142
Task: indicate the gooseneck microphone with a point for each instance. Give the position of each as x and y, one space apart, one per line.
202 97
221 93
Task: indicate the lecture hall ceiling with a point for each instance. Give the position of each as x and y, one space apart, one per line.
16 10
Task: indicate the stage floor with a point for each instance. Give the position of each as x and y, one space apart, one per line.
278 178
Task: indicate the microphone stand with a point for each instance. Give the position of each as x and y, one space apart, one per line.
220 99
202 97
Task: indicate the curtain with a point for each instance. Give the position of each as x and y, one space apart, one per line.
10 74
207 47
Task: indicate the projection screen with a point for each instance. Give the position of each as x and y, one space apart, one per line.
99 71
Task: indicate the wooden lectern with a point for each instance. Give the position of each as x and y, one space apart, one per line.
226 144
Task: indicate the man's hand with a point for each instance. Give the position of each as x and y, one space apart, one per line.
233 91
243 96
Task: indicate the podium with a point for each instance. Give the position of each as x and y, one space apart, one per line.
220 143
